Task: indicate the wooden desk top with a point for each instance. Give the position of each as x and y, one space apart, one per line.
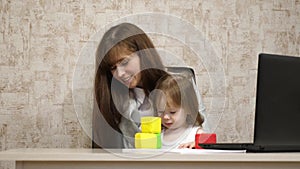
117 155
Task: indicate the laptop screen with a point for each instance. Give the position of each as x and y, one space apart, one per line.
277 118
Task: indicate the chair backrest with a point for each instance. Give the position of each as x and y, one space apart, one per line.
188 71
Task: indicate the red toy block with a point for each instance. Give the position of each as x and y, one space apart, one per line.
205 138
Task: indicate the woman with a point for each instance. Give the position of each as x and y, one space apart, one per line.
128 67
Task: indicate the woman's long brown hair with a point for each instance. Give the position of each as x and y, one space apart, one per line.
124 37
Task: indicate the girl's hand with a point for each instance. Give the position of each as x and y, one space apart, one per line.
189 145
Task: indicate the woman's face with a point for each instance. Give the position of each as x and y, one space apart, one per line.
127 70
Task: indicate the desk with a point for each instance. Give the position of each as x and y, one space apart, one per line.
101 159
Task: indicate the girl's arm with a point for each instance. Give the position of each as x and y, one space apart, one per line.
191 144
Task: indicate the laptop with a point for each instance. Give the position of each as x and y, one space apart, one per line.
277 113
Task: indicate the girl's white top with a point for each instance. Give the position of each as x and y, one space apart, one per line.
187 136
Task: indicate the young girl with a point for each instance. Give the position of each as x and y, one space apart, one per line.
176 103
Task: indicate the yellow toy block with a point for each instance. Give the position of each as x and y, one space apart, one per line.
147 140
151 124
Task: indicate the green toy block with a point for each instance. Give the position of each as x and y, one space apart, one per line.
147 140
151 124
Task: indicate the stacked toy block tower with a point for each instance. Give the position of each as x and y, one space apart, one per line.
150 134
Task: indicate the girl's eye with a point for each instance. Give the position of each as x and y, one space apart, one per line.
159 113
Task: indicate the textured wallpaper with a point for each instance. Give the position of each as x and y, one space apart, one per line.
47 51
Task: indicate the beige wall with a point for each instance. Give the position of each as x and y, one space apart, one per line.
41 42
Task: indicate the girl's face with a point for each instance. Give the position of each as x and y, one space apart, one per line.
127 70
173 117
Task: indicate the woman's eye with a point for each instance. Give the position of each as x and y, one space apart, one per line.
113 68
124 62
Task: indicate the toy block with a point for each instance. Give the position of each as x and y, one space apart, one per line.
147 140
205 138
151 124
